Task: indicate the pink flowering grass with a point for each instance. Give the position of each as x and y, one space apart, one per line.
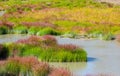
41 69
47 49
49 40
69 46
28 62
37 40
41 24
7 24
30 66
24 65
32 40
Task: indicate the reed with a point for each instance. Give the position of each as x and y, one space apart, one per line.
47 49
30 66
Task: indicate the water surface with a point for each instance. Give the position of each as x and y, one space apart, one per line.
103 57
11 38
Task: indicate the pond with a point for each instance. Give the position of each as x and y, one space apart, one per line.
103 56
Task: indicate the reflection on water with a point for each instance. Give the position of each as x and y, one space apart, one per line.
91 59
77 68
72 66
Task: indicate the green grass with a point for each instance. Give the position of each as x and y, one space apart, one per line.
34 30
20 30
47 31
47 50
55 55
41 4
28 66
52 55
78 16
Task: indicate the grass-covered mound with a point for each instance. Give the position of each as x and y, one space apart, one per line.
29 66
45 48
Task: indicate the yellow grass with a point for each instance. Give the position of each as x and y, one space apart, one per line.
92 15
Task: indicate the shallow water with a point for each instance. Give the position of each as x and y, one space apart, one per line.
11 38
103 56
